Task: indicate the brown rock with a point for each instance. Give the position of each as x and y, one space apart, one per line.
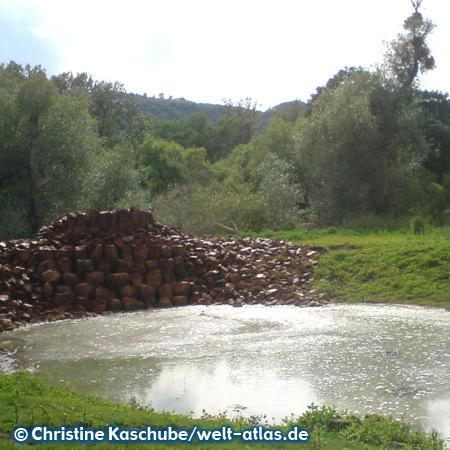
49 291
168 276
65 265
95 278
140 254
97 254
24 255
180 268
135 278
166 291
70 279
164 302
106 266
167 264
85 290
66 251
129 291
127 254
179 300
104 295
98 307
166 252
111 252
154 252
65 298
43 267
181 288
154 278
51 276
84 266
123 266
47 252
146 293
80 303
114 305
234 277
81 252
152 265
180 250
116 281
131 304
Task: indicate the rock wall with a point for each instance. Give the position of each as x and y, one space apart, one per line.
122 261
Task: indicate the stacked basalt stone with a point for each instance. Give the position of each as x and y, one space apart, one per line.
122 260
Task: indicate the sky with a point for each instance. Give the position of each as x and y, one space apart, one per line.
209 50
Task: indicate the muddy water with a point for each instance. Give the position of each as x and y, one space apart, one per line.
255 360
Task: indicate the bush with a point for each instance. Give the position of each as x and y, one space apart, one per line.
418 225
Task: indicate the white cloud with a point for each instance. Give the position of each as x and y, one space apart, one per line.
206 51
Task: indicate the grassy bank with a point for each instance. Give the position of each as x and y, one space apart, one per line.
27 401
391 267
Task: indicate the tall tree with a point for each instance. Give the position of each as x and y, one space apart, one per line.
34 98
409 54
47 143
359 147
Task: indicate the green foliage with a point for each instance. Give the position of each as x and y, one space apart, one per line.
418 225
194 131
409 55
436 113
35 96
360 146
210 209
114 182
279 195
437 203
166 164
51 155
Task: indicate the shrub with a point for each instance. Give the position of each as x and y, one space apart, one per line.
418 225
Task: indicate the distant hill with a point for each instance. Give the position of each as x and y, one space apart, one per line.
289 110
180 108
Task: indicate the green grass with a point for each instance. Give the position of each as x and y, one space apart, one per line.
26 400
390 267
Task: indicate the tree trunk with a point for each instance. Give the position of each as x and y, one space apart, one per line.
36 142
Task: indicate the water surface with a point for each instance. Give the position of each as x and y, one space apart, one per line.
256 360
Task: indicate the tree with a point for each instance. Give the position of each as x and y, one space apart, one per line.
359 146
436 111
48 142
114 182
34 98
409 54
194 131
238 125
117 113
166 164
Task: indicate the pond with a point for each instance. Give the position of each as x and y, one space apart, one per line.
254 360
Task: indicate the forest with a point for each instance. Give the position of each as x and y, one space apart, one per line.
369 144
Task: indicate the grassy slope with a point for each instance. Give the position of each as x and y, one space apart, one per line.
397 267
25 400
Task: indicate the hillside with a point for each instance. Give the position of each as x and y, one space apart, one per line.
180 108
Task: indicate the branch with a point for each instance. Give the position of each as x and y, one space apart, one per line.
227 228
44 182
416 4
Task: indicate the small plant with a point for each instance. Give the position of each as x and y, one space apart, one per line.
418 225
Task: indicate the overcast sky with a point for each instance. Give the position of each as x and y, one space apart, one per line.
207 50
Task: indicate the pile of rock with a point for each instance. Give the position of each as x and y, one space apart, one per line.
122 261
